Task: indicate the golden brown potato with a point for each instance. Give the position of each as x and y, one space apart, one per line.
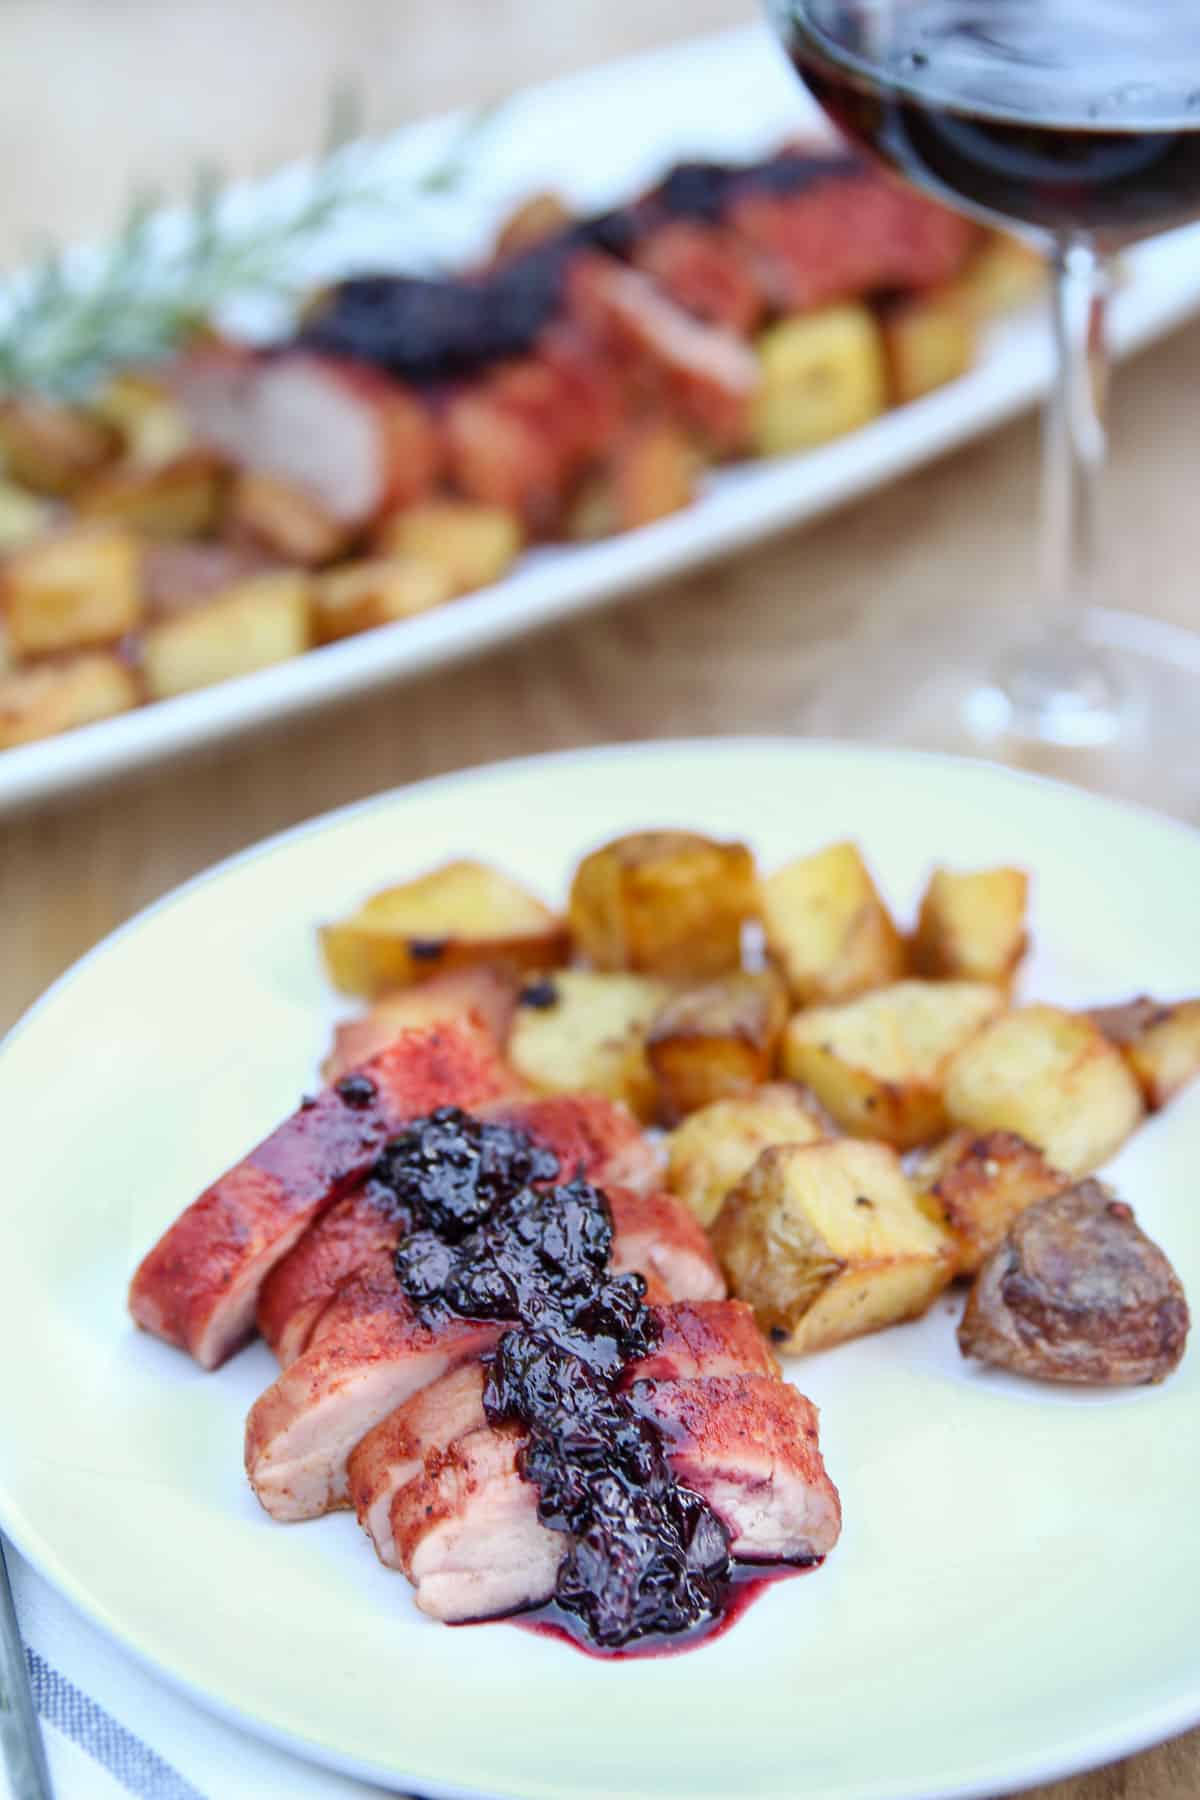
150 422
1160 1042
583 1031
461 913
666 903
22 517
972 926
481 992
878 1063
52 448
285 520
540 217
378 591
928 340
828 928
1002 275
73 590
822 374
653 474
714 1148
256 622
46 698
181 498
827 1242
976 1186
717 1040
1053 1077
470 545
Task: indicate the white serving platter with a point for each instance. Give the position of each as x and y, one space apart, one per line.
599 137
1016 1590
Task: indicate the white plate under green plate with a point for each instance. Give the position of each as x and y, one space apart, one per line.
1017 1589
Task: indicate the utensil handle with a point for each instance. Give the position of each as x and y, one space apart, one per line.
20 1733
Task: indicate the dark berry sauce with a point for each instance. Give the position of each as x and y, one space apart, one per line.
648 1558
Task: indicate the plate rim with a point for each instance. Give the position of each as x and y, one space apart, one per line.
1086 1751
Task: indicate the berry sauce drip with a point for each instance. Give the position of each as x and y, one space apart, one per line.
434 330
647 1556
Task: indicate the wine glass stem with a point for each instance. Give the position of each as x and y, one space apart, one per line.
1055 687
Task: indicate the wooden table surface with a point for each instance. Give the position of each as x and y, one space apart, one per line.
139 88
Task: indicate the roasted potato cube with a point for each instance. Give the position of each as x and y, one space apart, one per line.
50 447
717 1040
480 992
714 1148
822 374
664 902
972 926
828 928
1053 1077
928 340
174 499
46 698
1002 275
151 423
72 590
583 1031
1160 1042
878 1064
469 544
461 913
826 1242
22 517
378 591
285 520
253 624
976 1186
540 217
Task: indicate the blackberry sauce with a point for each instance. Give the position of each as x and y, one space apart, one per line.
648 1557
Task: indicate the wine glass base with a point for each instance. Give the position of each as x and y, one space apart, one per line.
1129 726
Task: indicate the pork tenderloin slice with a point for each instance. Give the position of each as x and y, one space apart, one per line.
748 1444
591 1136
198 1287
658 1235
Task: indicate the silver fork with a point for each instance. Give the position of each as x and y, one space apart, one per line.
20 1733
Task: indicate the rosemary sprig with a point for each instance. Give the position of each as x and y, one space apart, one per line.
62 327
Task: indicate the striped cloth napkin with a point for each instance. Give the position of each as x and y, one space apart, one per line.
113 1729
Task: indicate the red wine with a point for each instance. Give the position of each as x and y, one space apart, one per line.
1069 116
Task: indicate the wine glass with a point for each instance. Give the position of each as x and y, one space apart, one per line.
1075 123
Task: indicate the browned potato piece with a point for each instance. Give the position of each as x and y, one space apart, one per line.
480 992
878 1064
540 217
46 698
1077 1292
667 903
470 545
822 374
285 520
361 595
463 912
254 623
1160 1042
1002 275
22 517
174 499
928 340
972 926
583 1031
654 471
1053 1077
828 928
976 1186
73 590
827 1242
150 422
714 1148
52 448
717 1040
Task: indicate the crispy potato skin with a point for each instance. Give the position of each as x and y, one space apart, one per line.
459 914
468 544
74 590
971 926
828 928
975 1186
878 1063
51 448
715 1147
1078 1293
177 499
262 620
717 1040
826 1242
358 596
45 698
584 1031
1053 1077
668 903
1160 1042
